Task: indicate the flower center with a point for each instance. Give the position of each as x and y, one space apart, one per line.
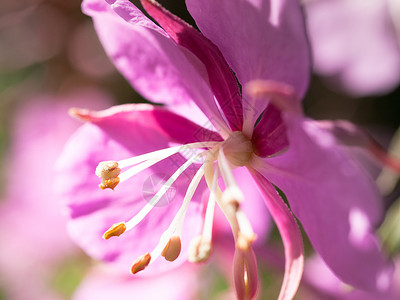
217 159
238 149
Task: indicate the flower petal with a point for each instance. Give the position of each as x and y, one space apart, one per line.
325 284
114 136
104 284
150 60
269 136
178 129
290 234
222 80
260 39
336 202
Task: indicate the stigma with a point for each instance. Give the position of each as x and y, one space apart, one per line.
215 162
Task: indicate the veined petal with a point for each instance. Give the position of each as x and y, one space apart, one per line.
150 60
290 233
177 128
269 136
222 80
116 136
337 203
260 39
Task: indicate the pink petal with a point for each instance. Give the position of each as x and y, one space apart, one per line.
354 44
269 136
260 39
150 60
259 94
290 234
178 129
104 284
320 278
222 80
116 134
335 200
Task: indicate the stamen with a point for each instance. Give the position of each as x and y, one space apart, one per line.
199 250
200 247
226 209
209 217
141 263
244 241
226 170
177 223
147 208
139 168
173 248
115 230
108 171
233 196
164 153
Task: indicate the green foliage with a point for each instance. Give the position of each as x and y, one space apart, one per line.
68 275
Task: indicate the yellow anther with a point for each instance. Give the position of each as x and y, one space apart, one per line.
141 263
115 230
108 171
172 249
109 183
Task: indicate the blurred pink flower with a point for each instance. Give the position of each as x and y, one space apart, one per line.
354 44
32 228
334 199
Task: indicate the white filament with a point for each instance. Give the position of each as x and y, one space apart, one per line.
176 224
147 208
147 160
232 190
209 217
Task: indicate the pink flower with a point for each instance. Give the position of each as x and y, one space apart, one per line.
35 242
354 44
260 133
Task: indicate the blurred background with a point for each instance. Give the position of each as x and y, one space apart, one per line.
51 59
